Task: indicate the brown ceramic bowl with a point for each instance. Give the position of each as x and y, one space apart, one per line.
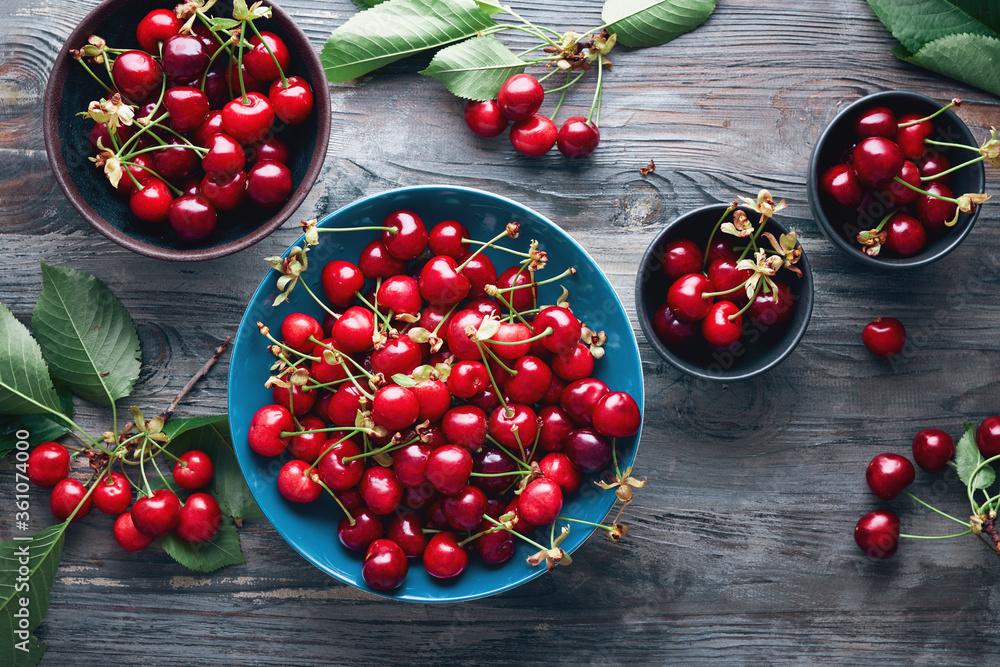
70 89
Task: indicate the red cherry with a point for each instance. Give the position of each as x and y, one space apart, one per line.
380 490
410 464
840 184
514 427
225 156
480 272
493 548
225 193
366 529
671 330
532 380
888 474
565 329
465 426
876 160
721 248
896 192
192 217
194 470
101 136
884 336
142 163
911 138
578 137
617 415
587 449
297 328
404 529
353 331
408 238
680 257
67 494
385 565
459 341
212 125
491 460
877 533
524 294
136 75
308 446
268 148
443 558
934 213
185 57
292 103
686 297
540 502
156 26
112 493
260 63
250 121
269 183
725 277
906 236
581 397
717 328
465 509
556 424
201 518
512 332
933 448
876 122
395 407
446 238
341 280
934 164
158 514
48 464
440 282
448 468
344 406
266 426
152 202
376 262
484 119
988 437
337 473
126 535
175 161
558 468
467 379
188 107
251 83
520 97
534 136
773 309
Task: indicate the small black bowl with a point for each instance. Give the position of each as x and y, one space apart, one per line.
70 89
760 349
842 226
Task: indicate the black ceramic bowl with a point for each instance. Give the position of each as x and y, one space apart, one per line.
761 348
842 226
70 90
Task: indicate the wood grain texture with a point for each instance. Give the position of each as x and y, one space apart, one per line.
741 547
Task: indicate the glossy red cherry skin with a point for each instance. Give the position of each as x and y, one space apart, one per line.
67 494
557 467
520 97
248 122
126 535
192 217
578 137
258 60
185 57
465 509
175 161
48 464
395 407
385 565
443 558
156 515
540 502
494 548
188 107
341 280
587 449
533 137
269 183
334 470
934 213
268 148
911 138
405 530
673 331
465 426
888 474
932 165
933 448
565 327
876 160
988 437
840 184
681 257
617 415
194 470
440 282
448 468
157 26
876 122
366 529
906 236
293 102
717 328
266 426
484 119
136 75
151 203
112 494
409 236
772 310
225 193
580 398
884 337
877 533
380 490
896 192
446 239
725 277
353 331
225 156
201 518
686 297
212 125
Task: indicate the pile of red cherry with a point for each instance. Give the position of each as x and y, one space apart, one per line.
206 107
442 409
890 168
196 519
518 101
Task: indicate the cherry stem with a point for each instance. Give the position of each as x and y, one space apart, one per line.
935 537
934 509
331 429
517 436
498 247
317 299
324 385
510 307
589 523
384 449
924 192
562 98
565 274
508 452
954 102
480 249
329 449
753 239
392 230
956 168
728 291
156 467
945 144
595 105
488 531
284 81
239 67
704 261
343 356
496 387
536 30
500 361
553 72
372 308
350 519
204 77
565 85
884 220
515 533
176 191
95 77
87 495
756 291
444 319
288 349
548 331
146 128
519 473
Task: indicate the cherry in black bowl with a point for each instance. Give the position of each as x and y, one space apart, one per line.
840 143
761 346
70 89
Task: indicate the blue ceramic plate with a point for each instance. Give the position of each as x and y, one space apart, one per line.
311 529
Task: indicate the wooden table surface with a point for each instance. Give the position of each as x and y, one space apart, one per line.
741 547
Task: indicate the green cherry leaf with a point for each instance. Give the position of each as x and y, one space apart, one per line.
40 555
86 335
641 23
25 385
971 59
208 556
916 23
968 458
396 29
476 68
